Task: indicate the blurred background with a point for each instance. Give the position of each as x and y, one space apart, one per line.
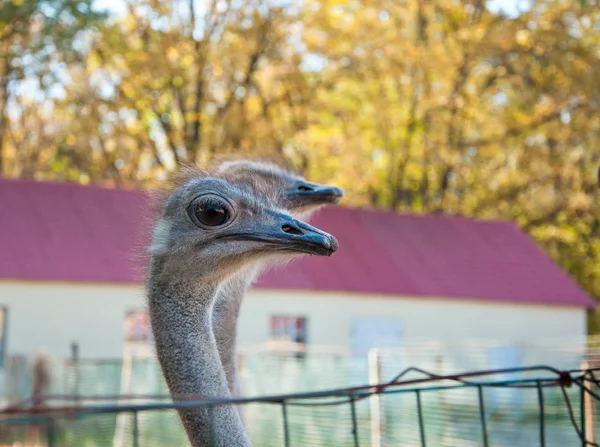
441 109
469 107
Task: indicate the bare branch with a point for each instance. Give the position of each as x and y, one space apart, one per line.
251 68
168 131
109 159
193 137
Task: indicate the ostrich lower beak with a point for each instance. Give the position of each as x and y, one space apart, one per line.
283 232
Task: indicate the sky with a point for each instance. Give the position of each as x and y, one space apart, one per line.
114 6
509 7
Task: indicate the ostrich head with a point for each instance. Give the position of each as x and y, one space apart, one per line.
217 225
291 191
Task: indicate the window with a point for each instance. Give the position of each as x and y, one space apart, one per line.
289 333
137 327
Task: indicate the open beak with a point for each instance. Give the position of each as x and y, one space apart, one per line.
282 232
307 192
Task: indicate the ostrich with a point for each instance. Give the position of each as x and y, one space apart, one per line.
209 229
293 193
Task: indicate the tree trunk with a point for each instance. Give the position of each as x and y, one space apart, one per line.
3 115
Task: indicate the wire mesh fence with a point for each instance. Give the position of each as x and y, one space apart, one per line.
507 407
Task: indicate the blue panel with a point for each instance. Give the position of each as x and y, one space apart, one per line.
501 357
374 332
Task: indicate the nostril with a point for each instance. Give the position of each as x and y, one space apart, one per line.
305 188
290 229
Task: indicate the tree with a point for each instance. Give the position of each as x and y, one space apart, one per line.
36 39
164 86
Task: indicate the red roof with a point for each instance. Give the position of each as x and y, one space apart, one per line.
60 231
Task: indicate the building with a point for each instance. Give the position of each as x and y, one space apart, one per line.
71 269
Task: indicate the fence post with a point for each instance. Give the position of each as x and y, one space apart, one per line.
589 417
354 420
125 388
286 427
136 430
374 361
441 399
587 409
75 365
482 418
542 415
420 415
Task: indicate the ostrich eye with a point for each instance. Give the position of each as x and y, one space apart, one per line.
210 214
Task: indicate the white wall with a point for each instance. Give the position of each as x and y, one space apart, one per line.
51 314
330 315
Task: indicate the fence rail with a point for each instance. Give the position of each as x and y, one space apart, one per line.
577 389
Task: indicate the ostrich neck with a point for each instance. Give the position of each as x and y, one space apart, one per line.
225 319
180 314
226 313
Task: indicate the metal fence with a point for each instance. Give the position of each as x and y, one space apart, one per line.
557 406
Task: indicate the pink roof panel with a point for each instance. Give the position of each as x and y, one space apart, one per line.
60 231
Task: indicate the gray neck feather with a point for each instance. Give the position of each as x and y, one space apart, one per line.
225 318
181 317
226 313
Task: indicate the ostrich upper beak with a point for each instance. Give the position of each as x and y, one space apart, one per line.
282 232
307 192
